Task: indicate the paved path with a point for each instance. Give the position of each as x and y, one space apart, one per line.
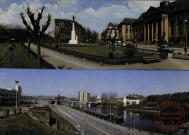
70 62
93 125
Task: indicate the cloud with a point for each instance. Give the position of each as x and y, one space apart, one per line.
92 17
3 1
99 19
11 14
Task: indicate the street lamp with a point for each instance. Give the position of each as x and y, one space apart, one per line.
16 98
186 21
110 110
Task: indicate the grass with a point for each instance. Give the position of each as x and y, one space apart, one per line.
64 125
20 58
93 50
4 47
22 124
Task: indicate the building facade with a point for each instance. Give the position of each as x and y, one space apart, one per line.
112 31
84 97
132 99
8 96
63 28
166 22
126 29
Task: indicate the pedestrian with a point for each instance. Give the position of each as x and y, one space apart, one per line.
185 50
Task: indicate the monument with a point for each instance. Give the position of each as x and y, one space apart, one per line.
74 38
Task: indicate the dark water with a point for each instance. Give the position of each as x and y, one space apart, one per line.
144 121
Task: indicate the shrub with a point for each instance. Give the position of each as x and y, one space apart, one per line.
56 46
10 48
131 52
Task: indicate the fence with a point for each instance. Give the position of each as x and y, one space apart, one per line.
113 61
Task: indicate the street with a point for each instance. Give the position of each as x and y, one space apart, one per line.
93 125
65 61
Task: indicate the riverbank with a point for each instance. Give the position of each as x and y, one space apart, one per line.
141 110
22 124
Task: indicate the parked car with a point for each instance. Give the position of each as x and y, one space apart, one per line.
166 49
27 105
130 46
118 43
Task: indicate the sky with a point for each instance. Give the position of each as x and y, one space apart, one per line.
93 14
69 82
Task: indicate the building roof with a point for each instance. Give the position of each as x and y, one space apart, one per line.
166 7
178 5
128 21
134 96
112 24
7 92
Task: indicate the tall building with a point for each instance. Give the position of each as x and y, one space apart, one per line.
84 96
63 28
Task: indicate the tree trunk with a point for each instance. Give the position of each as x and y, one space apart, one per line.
29 49
38 55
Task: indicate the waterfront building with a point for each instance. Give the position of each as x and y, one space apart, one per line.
63 28
8 96
132 99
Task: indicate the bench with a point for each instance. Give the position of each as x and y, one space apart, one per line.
148 59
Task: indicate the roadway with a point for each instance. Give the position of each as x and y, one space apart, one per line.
93 125
65 61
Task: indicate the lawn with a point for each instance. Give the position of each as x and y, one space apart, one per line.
22 124
93 50
20 57
4 47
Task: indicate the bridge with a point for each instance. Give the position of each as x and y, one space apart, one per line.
89 103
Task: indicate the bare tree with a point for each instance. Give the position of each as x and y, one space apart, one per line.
36 31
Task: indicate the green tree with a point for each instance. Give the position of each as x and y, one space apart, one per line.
36 30
119 105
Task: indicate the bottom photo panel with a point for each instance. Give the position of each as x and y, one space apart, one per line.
94 102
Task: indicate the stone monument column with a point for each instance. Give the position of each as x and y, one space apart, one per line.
74 38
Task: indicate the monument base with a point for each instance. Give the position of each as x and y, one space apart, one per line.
73 42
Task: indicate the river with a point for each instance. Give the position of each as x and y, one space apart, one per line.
144 121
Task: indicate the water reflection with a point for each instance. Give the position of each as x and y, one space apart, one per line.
143 121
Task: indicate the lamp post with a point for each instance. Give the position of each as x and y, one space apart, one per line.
110 109
16 98
186 21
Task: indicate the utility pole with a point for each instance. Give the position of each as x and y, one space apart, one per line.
185 49
134 119
110 109
186 21
16 98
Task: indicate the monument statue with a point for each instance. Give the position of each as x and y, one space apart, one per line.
74 38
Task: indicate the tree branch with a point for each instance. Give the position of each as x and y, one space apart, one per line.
25 22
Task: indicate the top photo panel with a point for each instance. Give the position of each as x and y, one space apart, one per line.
94 34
